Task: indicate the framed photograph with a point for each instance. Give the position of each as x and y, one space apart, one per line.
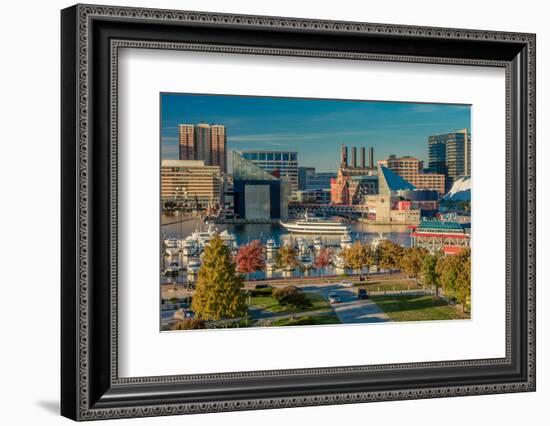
263 212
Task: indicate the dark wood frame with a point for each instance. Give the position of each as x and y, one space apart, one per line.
91 37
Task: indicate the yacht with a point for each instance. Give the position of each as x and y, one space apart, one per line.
315 225
317 243
201 237
377 240
346 240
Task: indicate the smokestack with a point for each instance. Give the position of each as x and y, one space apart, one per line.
353 157
344 156
363 164
371 157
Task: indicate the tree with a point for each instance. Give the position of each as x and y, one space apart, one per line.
286 257
250 257
412 259
463 284
430 276
389 255
292 297
455 276
322 259
358 256
218 292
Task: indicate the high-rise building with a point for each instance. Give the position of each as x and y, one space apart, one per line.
304 175
411 169
186 141
449 153
204 142
218 147
191 180
284 163
436 154
467 152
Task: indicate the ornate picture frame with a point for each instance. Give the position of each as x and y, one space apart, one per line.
90 40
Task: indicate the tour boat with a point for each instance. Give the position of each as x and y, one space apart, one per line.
315 225
346 240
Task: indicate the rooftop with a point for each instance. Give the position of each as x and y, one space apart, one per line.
439 225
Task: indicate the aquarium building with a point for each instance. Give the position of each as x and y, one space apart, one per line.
257 194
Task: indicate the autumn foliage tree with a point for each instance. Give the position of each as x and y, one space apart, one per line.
389 255
358 256
412 259
322 259
286 256
250 257
218 291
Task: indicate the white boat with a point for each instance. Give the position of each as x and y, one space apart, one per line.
377 240
317 243
339 263
193 265
270 248
315 225
346 240
171 242
173 268
201 237
189 248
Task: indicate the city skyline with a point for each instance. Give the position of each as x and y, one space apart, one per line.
315 128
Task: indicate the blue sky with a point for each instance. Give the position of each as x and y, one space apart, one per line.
315 128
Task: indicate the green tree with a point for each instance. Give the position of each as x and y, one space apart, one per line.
412 259
358 256
389 255
291 297
218 292
455 277
430 276
463 284
286 257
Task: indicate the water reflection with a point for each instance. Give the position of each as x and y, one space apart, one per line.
183 227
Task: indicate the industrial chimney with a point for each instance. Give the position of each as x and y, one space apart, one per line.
344 156
353 157
371 157
363 164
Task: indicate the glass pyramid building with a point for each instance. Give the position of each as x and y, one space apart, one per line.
244 169
390 182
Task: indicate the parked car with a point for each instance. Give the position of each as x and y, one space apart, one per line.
334 298
260 286
362 294
346 284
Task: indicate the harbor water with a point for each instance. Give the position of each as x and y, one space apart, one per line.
182 227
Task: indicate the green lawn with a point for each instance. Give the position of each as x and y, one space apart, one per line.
269 303
417 308
308 320
388 285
